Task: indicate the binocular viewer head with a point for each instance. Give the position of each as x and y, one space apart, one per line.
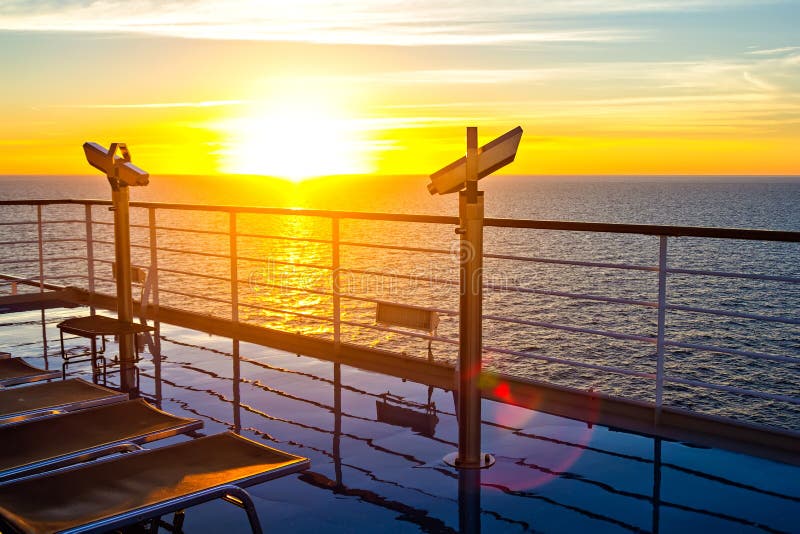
491 157
118 169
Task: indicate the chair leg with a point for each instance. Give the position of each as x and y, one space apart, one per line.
242 499
177 521
63 352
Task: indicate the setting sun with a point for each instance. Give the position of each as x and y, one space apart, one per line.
294 139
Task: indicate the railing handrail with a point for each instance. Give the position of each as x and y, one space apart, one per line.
750 234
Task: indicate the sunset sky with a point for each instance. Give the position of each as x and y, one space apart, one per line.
302 88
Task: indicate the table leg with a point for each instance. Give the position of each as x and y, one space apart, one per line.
63 356
93 344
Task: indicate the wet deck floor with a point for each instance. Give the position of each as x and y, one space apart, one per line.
376 445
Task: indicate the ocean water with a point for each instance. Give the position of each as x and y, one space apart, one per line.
516 289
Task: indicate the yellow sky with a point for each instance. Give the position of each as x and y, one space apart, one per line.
629 88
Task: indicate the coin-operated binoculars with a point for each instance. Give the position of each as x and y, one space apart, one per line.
462 176
121 174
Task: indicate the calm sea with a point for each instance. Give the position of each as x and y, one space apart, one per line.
517 289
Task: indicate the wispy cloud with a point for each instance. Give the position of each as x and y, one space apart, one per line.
774 51
159 105
382 22
673 79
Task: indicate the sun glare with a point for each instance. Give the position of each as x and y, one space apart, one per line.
294 140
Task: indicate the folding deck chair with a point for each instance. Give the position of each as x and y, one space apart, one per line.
142 486
15 371
37 400
51 442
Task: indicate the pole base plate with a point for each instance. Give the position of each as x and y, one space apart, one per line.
485 460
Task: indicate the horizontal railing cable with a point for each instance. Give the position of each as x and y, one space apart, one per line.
573 363
193 295
111 243
566 294
192 230
573 329
732 352
739 315
65 221
192 252
396 247
285 287
287 312
281 262
418 335
284 237
19 223
442 311
189 273
577 263
748 276
732 389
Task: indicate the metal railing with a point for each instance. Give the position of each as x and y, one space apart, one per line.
43 236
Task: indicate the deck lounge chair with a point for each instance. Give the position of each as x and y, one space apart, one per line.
38 400
142 486
51 442
15 371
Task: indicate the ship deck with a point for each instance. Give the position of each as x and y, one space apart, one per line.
376 444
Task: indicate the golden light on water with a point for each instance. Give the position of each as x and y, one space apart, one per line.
295 138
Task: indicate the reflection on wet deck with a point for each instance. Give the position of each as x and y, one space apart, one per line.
376 444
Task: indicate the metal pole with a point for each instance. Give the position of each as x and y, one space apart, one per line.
469 501
122 240
237 399
470 323
662 317
89 247
656 525
153 257
337 326
337 422
40 235
41 247
157 362
234 269
44 341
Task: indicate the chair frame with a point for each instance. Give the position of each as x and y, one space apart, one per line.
37 375
100 451
23 416
233 493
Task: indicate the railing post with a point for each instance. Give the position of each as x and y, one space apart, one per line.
662 317
40 234
234 268
151 216
89 247
337 313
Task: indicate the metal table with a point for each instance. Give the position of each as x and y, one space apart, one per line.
91 327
